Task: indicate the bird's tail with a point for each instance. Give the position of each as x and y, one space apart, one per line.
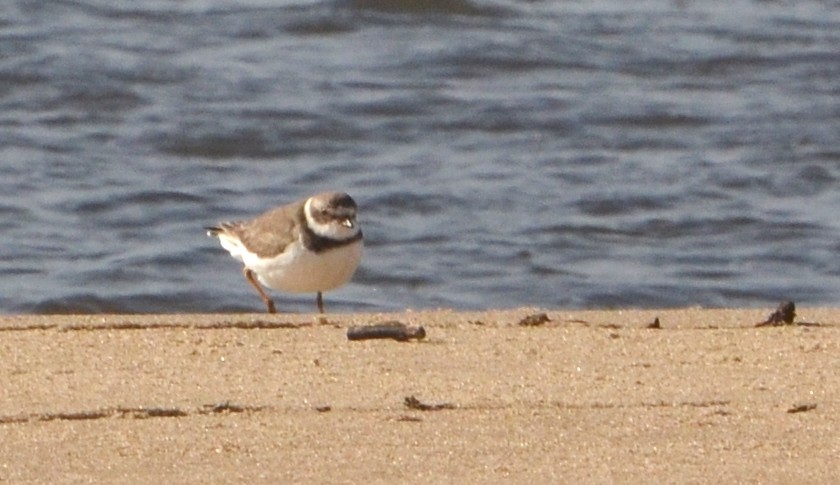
222 228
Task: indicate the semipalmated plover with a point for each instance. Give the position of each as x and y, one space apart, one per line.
310 245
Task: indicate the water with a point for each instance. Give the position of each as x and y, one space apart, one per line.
504 153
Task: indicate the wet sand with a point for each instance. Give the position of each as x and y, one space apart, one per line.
586 397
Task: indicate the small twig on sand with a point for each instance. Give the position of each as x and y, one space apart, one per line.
783 315
534 320
412 402
801 408
389 330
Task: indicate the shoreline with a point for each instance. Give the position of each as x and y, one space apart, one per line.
678 317
588 396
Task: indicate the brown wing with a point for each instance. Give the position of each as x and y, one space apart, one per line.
269 234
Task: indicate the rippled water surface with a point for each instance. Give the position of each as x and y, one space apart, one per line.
504 153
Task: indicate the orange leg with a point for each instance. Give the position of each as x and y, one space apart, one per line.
251 277
320 301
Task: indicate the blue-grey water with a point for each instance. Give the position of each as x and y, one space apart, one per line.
503 153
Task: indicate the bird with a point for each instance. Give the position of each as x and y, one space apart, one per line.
311 245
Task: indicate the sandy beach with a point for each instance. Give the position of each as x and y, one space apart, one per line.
585 397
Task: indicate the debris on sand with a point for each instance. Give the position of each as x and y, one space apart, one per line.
534 320
412 402
801 408
389 330
783 315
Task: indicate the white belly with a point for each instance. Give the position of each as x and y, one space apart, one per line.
301 271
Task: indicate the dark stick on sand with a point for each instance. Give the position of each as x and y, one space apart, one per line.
412 402
783 315
389 330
